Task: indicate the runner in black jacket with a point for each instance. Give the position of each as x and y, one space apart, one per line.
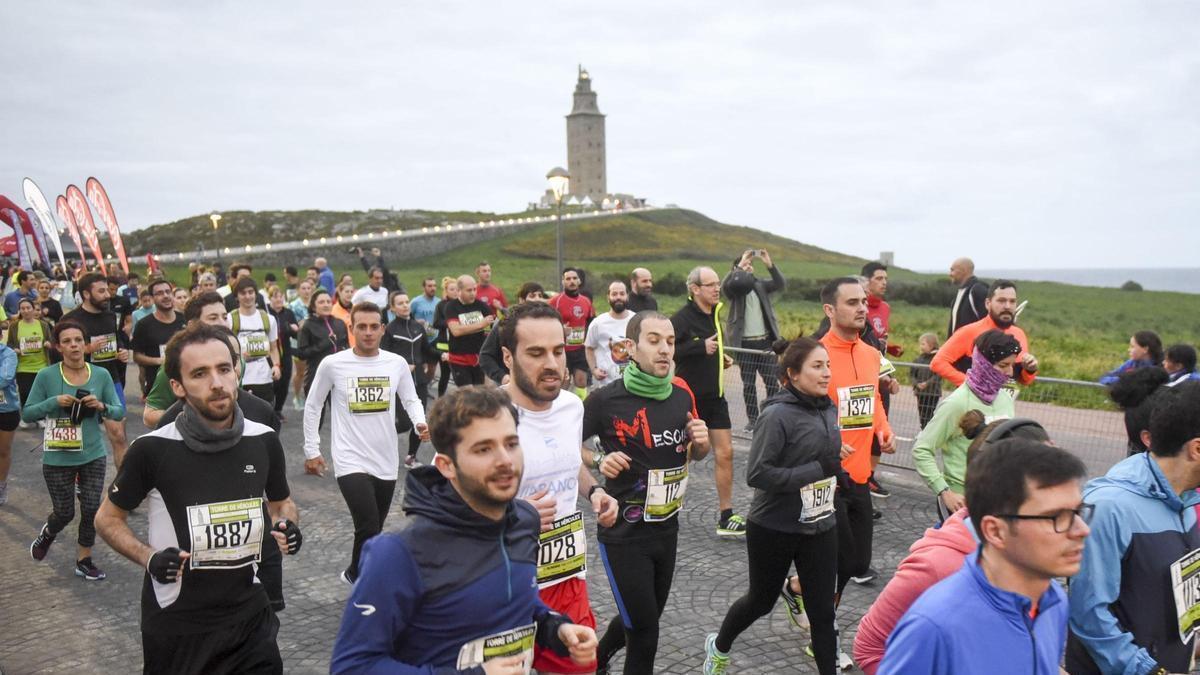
406 337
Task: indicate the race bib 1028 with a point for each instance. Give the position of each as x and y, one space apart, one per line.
562 551
369 394
226 534
518 641
856 406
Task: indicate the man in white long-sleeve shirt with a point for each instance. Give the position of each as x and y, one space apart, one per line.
362 384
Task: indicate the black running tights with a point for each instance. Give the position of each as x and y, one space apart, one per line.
640 575
369 499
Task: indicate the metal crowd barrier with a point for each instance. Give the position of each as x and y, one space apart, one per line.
1077 415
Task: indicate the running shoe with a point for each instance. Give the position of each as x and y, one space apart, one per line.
41 545
297 403
844 660
715 662
795 606
3 493
866 577
345 577
734 526
87 569
876 515
877 490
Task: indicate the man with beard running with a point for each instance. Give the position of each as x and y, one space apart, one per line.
362 384
954 358
606 346
649 429
107 347
641 290
550 425
205 476
454 591
576 312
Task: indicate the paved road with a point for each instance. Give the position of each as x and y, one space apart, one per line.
52 621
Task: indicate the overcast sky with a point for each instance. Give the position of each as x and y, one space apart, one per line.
1025 134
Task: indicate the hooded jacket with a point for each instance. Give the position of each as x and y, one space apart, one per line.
931 558
1122 603
792 433
703 372
966 626
736 286
854 383
447 577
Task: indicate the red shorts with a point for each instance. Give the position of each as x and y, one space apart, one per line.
571 599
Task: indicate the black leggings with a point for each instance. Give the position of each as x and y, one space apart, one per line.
265 391
771 554
283 385
60 482
856 526
24 385
640 575
404 422
443 377
369 499
466 375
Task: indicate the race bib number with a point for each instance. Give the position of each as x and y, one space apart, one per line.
470 318
255 346
62 436
886 367
104 348
30 345
226 534
817 500
856 406
369 394
562 551
664 493
575 336
518 641
1185 582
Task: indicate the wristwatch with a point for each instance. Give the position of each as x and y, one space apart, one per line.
592 489
597 457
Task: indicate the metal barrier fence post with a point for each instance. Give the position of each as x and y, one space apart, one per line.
1078 415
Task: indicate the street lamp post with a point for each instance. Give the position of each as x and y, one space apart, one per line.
560 182
216 221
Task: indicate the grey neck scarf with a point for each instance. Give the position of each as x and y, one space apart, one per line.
199 436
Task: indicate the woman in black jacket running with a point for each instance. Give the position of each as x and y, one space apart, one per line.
321 335
793 467
406 337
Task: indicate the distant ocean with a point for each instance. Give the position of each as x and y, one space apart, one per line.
1181 279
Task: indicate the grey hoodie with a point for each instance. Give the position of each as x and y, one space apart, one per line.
792 432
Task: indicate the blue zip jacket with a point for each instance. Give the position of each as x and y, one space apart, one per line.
447 577
1115 374
10 399
964 625
1122 604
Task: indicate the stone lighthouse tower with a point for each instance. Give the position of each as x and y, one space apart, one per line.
585 143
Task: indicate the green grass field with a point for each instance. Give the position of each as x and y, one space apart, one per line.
1076 332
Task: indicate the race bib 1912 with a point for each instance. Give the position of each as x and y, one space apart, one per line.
856 406
664 493
562 551
518 641
226 534
817 500
369 394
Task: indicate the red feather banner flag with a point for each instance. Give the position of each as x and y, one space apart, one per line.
99 199
87 227
68 218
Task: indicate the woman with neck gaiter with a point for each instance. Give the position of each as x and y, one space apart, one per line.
795 459
986 391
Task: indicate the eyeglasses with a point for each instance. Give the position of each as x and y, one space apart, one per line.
1063 520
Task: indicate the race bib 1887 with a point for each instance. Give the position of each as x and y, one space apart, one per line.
226 534
562 551
369 394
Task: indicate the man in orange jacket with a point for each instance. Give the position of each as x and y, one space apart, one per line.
954 357
854 387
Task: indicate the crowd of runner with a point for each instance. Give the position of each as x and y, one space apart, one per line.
557 405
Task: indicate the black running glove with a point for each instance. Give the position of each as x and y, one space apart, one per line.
291 532
164 566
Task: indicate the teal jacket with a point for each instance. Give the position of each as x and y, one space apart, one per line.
43 404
